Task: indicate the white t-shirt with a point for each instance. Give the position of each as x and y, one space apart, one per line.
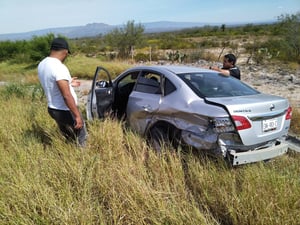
51 70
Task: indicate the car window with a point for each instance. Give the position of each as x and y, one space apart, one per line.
152 76
216 85
128 79
169 87
149 82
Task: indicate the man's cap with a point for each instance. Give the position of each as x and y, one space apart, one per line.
60 43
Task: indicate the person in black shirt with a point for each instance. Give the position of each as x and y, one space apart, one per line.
229 68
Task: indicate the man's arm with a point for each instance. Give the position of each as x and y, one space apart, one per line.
64 88
224 72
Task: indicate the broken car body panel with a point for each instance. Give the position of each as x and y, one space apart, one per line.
204 109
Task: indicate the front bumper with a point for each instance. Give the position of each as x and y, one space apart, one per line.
258 155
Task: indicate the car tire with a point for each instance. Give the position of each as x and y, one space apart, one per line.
158 139
164 138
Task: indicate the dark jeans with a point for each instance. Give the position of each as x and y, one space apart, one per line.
65 122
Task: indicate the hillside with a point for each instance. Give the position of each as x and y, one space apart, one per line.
96 29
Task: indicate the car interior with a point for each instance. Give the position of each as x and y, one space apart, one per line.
147 82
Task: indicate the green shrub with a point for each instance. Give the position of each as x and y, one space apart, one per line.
141 57
12 90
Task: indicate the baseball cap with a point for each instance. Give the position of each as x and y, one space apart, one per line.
60 43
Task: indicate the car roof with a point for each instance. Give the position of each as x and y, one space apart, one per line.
177 69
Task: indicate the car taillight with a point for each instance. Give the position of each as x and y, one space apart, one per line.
241 122
222 124
288 114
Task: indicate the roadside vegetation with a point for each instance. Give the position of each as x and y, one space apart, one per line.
265 42
117 178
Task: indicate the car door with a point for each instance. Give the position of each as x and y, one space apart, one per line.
101 95
144 100
123 86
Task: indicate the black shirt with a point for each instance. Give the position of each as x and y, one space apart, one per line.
235 72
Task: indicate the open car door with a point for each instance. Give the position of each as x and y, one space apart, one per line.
101 95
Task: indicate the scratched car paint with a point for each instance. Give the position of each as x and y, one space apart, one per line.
194 107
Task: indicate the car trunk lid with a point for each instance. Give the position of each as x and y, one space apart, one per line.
258 118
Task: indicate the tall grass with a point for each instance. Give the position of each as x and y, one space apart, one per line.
17 72
117 179
295 122
85 68
79 65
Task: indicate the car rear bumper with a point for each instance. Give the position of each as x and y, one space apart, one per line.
240 158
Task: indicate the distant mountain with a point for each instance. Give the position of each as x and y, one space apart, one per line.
88 30
95 29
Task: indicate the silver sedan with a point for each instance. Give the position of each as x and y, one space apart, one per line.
194 107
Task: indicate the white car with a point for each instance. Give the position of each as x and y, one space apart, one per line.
199 108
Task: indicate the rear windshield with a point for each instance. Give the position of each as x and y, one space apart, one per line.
216 85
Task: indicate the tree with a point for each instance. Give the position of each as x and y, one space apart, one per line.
39 47
223 27
290 25
124 39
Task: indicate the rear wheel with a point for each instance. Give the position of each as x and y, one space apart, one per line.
161 137
158 138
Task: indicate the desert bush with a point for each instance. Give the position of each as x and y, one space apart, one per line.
194 56
291 35
12 90
31 51
207 43
142 57
9 49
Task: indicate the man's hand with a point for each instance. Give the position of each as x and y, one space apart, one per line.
75 82
78 123
222 71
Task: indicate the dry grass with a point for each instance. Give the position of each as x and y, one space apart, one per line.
117 179
17 73
295 123
80 66
85 68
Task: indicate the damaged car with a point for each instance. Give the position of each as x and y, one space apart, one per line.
194 107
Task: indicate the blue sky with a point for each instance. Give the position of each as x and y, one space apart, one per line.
18 16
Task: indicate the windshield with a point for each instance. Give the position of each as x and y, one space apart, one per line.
216 85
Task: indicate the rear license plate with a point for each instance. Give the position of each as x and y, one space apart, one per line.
268 125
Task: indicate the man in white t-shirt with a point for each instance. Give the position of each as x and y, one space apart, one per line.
58 86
